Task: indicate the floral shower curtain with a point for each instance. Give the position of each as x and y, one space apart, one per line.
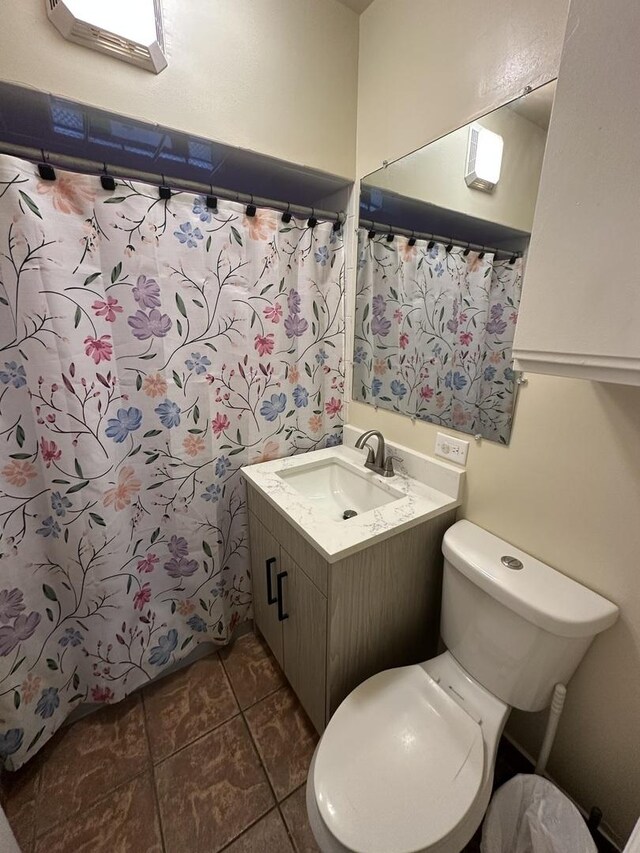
148 349
434 333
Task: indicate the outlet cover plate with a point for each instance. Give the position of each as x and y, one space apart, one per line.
452 449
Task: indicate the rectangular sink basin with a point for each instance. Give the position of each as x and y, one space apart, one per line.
334 487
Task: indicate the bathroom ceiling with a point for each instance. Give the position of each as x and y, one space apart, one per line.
357 5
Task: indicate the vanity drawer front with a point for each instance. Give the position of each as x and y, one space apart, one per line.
265 565
306 557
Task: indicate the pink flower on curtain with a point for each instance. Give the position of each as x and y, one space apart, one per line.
107 309
100 349
264 344
261 226
50 451
219 424
273 312
333 407
69 193
127 488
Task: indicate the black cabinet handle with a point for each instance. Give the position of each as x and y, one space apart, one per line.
279 578
270 597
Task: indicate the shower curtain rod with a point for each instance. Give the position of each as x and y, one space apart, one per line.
79 164
379 228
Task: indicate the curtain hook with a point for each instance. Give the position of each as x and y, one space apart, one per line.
449 246
430 245
251 208
412 240
390 235
46 170
286 216
312 221
108 183
481 254
337 225
372 231
211 201
163 190
467 250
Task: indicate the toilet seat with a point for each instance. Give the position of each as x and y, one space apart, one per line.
399 766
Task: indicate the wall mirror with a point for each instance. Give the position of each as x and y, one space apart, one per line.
441 240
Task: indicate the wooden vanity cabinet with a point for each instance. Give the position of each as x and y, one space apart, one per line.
332 625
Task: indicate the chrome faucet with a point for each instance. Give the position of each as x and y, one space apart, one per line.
378 462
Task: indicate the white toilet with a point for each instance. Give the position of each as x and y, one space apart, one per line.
406 763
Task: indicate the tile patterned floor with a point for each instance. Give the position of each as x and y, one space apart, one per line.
211 758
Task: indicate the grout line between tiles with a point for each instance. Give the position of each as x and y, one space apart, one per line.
153 775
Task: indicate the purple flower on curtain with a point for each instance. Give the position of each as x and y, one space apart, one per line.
197 623
161 653
200 209
125 422
334 440
439 269
48 702
180 567
293 302
376 385
378 305
321 357
50 527
359 355
380 325
156 325
22 629
270 409
146 292
198 363
295 325
178 546
496 324
322 255
169 414
11 604
452 325
13 374
10 742
509 374
188 235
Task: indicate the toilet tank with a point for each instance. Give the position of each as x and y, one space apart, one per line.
514 624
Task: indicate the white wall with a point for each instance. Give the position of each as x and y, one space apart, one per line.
274 76
435 173
567 488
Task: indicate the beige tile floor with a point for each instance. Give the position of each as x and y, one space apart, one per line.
211 758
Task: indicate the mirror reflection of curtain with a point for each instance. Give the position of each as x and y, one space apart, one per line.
434 333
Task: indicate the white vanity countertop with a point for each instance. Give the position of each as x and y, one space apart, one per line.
337 539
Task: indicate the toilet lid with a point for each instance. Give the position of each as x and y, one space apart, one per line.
399 764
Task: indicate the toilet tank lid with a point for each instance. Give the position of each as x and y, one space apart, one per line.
537 592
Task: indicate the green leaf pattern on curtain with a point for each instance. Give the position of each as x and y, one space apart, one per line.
148 349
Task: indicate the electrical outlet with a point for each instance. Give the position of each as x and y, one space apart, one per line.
451 449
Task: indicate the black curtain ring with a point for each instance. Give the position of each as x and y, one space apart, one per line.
286 216
211 201
372 231
163 190
251 208
45 169
412 239
481 254
467 250
312 221
107 182
449 246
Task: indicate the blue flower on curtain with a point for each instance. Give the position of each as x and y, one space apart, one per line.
125 422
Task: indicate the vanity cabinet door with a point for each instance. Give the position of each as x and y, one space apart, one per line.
304 627
265 565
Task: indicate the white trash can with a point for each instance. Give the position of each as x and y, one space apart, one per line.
528 814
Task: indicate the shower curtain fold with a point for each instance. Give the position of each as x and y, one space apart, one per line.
148 349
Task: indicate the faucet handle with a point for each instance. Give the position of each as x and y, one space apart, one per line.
388 465
370 456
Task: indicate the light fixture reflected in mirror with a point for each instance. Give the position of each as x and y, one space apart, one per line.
484 158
